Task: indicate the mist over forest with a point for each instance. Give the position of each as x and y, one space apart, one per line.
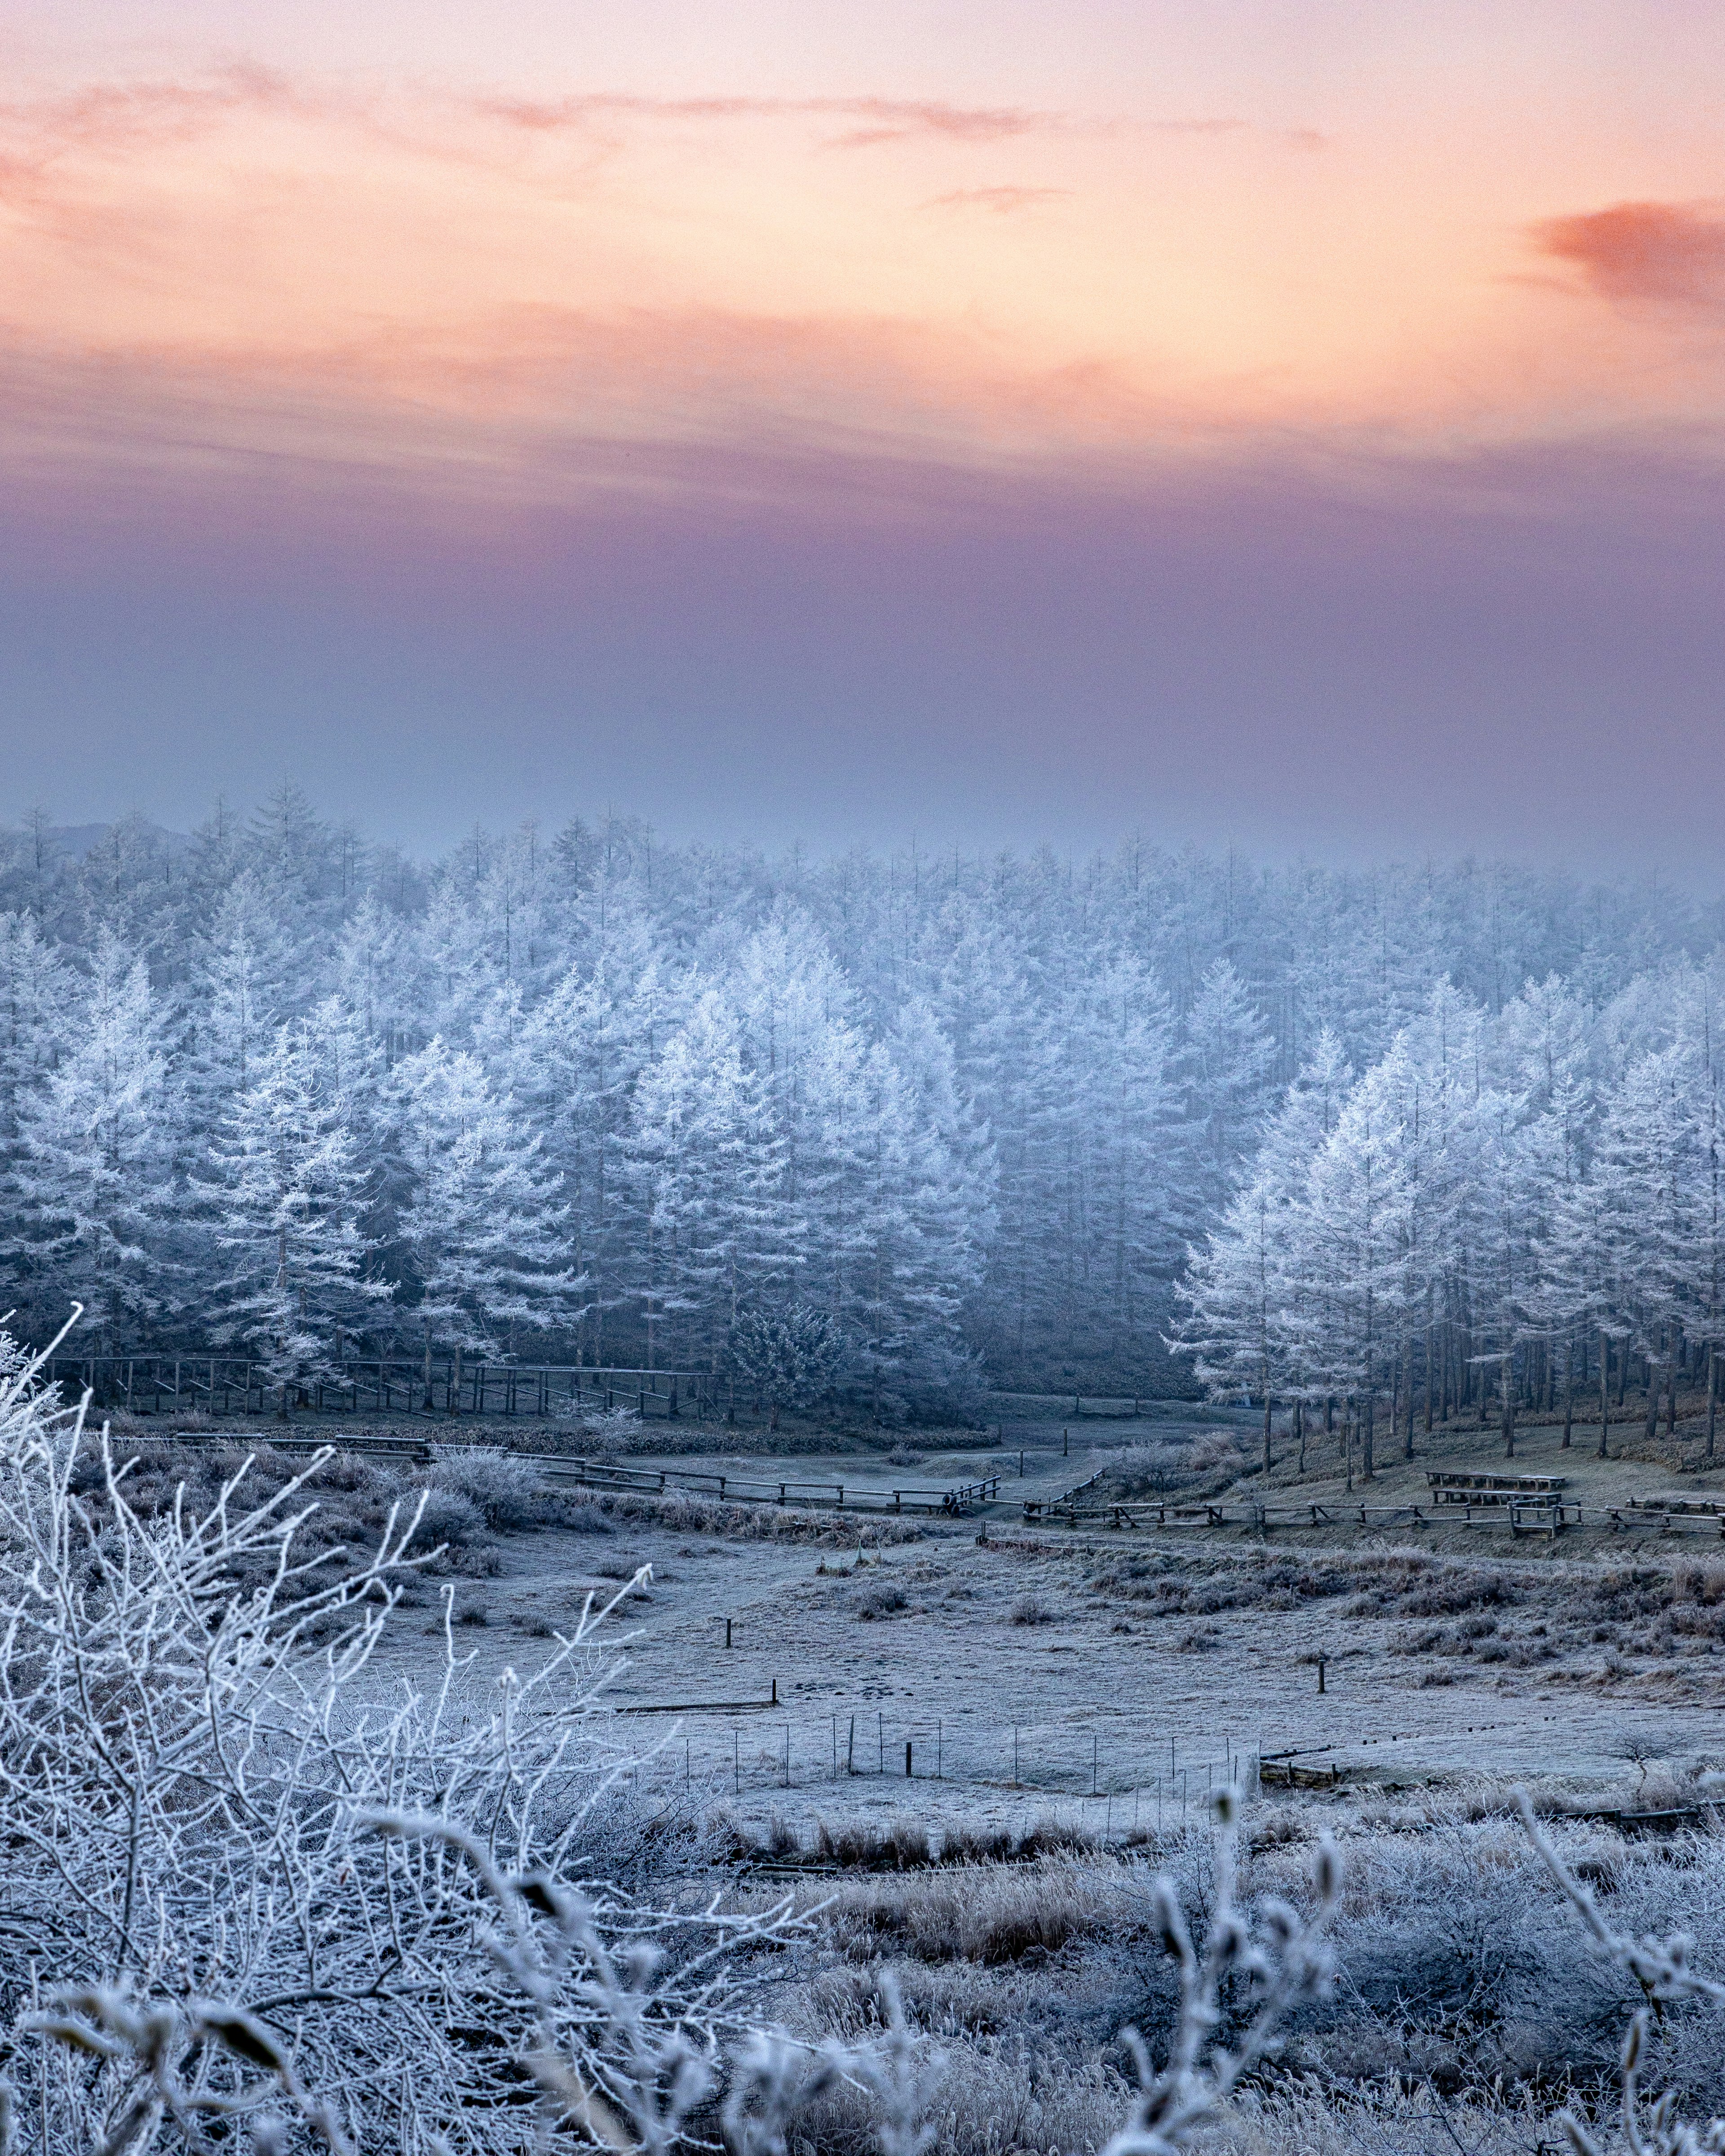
1017 1121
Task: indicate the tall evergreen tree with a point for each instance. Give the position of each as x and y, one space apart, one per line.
481 1229
93 1181
288 1202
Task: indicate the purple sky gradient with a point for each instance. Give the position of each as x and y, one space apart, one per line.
1295 423
1526 657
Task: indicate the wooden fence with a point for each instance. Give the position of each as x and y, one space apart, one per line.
390 1385
955 1500
1530 1516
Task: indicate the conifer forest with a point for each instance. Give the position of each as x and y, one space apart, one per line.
1119 1125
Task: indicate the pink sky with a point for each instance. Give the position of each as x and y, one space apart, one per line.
313 263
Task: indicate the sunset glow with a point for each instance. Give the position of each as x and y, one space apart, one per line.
587 293
369 268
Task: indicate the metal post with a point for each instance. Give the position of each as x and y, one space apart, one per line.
735 1763
850 1748
907 1758
881 1741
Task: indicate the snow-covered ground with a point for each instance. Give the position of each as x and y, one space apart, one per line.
1008 1719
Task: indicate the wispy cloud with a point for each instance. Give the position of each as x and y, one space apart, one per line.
883 118
1673 252
1003 201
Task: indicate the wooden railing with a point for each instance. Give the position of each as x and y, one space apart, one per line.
387 1385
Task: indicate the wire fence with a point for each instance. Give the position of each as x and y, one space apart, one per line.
1129 1781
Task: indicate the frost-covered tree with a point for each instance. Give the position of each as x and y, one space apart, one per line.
481 1228
1247 1296
36 999
576 1063
1353 1232
92 1183
716 1228
1225 1058
287 1201
787 1358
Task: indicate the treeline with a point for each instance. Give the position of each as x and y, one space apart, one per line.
1524 1208
896 1120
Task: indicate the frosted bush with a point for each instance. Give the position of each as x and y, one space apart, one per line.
246 1881
445 1518
610 1429
501 1486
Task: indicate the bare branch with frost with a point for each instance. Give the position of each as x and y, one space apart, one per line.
204 1933
1285 1962
1660 1966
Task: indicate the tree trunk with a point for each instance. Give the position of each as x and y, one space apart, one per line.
1712 1394
1269 1405
1300 1430
1408 1445
1428 1381
1368 1467
1604 1392
1569 1391
1670 1398
1652 1401
1509 1408
427 1402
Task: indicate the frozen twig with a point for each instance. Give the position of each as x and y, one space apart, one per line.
1286 1961
1661 1967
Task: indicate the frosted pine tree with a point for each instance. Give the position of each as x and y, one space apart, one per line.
288 1200
576 1063
1246 1303
92 1183
912 1258
1122 1163
1352 1218
36 996
1224 1064
481 1228
715 1230
787 1358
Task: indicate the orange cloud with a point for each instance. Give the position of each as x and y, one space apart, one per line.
1643 250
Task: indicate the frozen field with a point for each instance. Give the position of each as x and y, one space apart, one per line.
1024 1677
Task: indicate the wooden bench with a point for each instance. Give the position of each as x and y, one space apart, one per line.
1451 1488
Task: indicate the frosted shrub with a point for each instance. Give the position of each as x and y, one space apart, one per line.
445 1519
610 1430
247 1881
1662 1969
502 1487
1277 1962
